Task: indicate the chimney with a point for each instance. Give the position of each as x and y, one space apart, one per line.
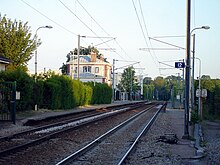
93 57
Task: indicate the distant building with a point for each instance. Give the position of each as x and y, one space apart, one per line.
3 62
91 68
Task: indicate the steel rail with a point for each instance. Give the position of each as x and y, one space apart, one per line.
145 129
51 135
9 137
44 127
92 144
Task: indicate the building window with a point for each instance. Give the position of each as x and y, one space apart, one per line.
87 69
96 69
84 69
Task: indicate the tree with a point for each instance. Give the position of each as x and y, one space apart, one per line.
86 51
16 43
160 87
147 80
127 82
64 68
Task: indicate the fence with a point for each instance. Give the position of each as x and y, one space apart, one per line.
8 101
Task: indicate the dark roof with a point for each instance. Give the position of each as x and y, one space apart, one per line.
87 58
4 59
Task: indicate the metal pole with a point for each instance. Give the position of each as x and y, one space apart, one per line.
142 87
187 74
35 75
193 68
113 81
131 85
78 51
183 88
199 99
49 27
14 102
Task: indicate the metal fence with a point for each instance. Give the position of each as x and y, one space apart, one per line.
8 101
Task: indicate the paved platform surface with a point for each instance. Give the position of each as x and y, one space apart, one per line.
184 148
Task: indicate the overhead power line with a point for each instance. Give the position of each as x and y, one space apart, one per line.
85 24
104 30
48 18
167 43
77 17
139 21
93 18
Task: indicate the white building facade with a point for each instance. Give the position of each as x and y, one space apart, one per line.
91 68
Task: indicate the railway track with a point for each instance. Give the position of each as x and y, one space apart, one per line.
16 143
114 146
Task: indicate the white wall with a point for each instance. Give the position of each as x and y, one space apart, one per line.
2 67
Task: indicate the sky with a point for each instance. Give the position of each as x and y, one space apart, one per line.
128 31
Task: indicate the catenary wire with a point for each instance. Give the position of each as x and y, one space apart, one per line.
143 31
104 30
145 26
85 24
48 18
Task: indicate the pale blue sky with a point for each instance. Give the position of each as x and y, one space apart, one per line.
118 18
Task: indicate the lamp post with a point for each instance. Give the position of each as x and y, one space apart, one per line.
193 63
187 73
199 99
113 81
48 27
78 54
35 76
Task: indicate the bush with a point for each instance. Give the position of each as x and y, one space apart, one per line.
38 93
102 93
194 117
56 92
24 84
52 94
88 95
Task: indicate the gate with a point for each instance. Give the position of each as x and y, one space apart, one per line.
7 101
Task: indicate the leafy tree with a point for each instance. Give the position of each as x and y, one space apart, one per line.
16 43
207 84
160 83
206 77
127 82
149 91
147 80
86 51
63 69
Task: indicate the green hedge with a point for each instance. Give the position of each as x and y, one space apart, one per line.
24 85
102 93
56 92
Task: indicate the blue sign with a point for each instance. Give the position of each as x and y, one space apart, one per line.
179 64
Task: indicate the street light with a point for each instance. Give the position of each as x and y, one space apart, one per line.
202 27
48 27
78 54
193 63
199 100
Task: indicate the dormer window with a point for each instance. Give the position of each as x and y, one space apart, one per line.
87 69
